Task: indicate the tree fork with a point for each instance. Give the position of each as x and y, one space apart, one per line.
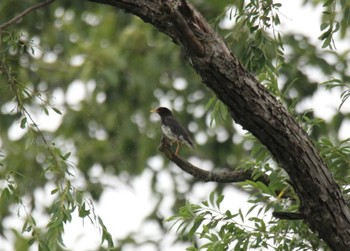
252 106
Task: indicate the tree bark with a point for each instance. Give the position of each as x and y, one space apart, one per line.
252 106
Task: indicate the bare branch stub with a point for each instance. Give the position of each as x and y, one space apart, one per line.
288 215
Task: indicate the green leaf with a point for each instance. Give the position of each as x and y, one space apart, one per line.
219 200
66 156
210 103
79 196
56 110
327 41
205 229
205 203
212 198
323 26
246 244
54 191
46 111
31 241
241 215
5 194
106 236
196 224
329 2
83 212
6 38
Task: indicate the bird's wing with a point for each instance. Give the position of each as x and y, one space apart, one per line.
177 129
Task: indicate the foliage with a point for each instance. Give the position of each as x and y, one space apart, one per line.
254 21
338 159
54 163
83 68
255 229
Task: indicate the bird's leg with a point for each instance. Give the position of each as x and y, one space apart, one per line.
177 147
170 142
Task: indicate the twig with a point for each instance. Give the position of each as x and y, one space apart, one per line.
25 12
27 114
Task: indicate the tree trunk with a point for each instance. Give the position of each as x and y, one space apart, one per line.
252 106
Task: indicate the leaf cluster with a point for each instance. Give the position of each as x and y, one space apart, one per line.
66 198
338 159
255 229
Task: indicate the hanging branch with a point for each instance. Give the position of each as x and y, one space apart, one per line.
24 13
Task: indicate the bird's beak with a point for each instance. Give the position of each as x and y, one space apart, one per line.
153 110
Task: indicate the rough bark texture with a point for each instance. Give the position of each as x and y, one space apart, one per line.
252 106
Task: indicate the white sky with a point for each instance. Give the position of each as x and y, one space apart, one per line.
123 208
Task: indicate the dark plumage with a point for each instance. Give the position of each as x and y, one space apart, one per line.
172 128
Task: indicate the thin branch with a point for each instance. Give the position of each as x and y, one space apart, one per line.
14 87
220 177
25 12
27 114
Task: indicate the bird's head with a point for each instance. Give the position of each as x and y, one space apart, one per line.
162 111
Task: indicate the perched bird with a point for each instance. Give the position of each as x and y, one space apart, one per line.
172 128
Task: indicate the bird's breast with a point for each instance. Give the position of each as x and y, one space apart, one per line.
167 132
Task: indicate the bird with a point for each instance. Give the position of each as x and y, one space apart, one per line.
172 129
